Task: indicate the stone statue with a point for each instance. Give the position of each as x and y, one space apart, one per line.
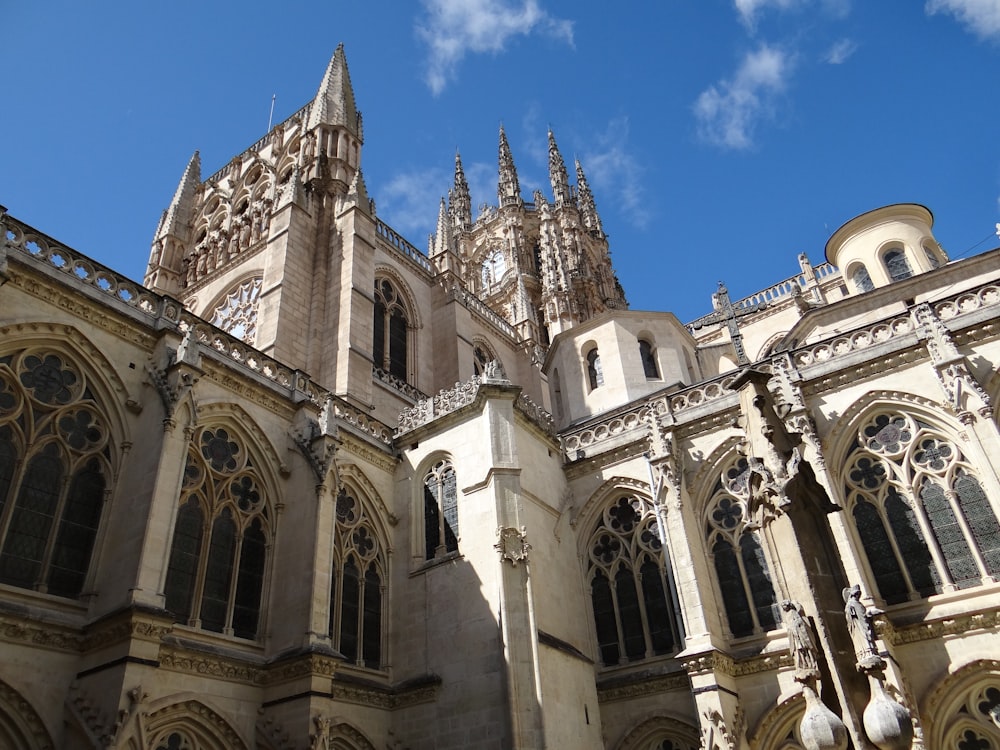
800 640
860 626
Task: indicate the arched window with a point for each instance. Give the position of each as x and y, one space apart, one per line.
493 268
920 511
740 566
356 586
215 577
391 330
482 355
236 314
633 614
862 281
932 257
440 511
648 360
595 374
55 452
897 265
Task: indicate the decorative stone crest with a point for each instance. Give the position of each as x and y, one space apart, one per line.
317 440
512 544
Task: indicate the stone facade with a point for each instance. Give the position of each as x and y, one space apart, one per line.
310 487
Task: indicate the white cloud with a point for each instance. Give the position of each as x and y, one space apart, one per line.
840 51
728 111
409 202
981 17
612 171
454 28
748 9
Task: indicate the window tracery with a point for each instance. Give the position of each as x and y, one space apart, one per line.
921 513
897 265
440 510
55 454
741 568
215 577
493 268
391 331
861 278
975 725
633 615
237 313
357 583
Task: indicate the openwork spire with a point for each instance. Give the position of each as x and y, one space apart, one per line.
557 174
585 201
334 102
459 199
508 187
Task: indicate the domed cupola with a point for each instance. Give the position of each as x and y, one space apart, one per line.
884 246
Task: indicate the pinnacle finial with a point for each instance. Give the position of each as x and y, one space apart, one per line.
334 102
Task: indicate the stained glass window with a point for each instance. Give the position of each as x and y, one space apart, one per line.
741 568
356 595
440 511
862 280
218 555
50 510
633 615
897 265
390 331
915 499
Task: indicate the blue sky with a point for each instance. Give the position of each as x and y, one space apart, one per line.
720 137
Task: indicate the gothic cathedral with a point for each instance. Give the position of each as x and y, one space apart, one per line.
310 487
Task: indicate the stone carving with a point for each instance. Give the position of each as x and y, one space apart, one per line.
801 645
777 470
860 626
715 734
512 545
317 441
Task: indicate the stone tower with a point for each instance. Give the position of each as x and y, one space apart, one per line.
272 247
545 266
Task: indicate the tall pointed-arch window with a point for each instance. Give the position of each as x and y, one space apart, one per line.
391 331
741 568
897 265
861 279
55 461
595 372
919 508
222 533
357 585
629 587
493 269
440 510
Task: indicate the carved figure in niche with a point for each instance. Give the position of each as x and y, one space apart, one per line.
202 261
860 625
154 257
244 234
234 244
189 270
800 640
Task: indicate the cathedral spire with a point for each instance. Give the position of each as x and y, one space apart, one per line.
177 218
585 201
557 174
508 187
459 199
334 102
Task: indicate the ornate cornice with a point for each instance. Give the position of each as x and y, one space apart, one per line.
209 665
717 661
927 631
48 636
388 698
642 685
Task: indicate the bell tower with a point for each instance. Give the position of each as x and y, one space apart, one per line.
258 248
